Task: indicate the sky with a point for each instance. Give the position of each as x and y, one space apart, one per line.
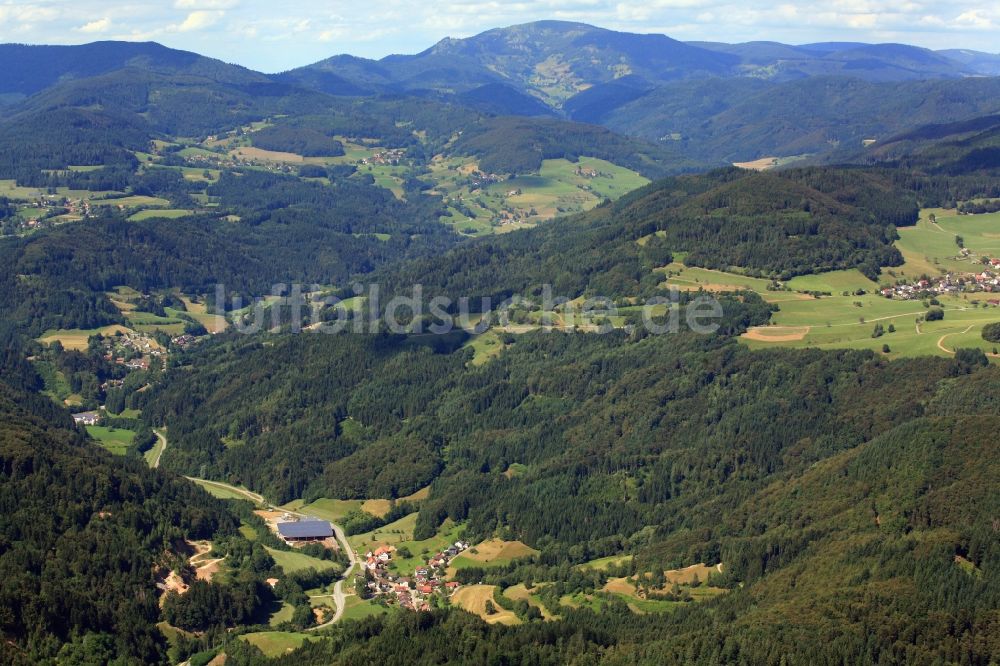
275 36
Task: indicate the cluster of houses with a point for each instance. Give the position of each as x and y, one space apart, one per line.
185 340
410 592
384 158
132 350
586 172
479 180
987 280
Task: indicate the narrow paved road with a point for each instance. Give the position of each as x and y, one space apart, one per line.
339 598
163 447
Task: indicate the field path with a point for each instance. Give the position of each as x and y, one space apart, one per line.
250 495
940 342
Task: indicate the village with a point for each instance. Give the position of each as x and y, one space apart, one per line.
410 592
985 281
377 579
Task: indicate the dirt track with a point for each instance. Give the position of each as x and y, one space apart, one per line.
795 334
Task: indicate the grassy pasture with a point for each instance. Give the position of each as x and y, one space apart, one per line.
358 609
626 589
116 440
492 553
75 338
332 510
520 593
292 561
165 213
848 322
929 248
277 643
485 346
603 563
376 507
557 189
134 201
417 496
961 327
155 452
835 282
473 598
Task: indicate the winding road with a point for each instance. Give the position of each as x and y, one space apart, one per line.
339 596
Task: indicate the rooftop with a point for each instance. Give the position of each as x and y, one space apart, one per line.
306 529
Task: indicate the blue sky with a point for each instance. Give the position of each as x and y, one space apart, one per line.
274 36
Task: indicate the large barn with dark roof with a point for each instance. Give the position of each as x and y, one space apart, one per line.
305 530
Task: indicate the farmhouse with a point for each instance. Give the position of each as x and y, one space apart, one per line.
87 418
305 530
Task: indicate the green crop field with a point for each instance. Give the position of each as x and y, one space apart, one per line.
116 440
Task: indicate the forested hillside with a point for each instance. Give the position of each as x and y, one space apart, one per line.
817 220
819 479
586 492
742 119
289 231
83 535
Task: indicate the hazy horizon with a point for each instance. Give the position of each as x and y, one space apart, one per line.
272 39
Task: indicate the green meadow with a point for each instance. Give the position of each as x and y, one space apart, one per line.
116 440
292 561
929 247
557 189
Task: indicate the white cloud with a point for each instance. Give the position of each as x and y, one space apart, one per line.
974 19
205 4
98 26
27 13
199 20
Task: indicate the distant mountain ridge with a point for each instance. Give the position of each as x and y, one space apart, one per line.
557 60
30 69
552 60
709 102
